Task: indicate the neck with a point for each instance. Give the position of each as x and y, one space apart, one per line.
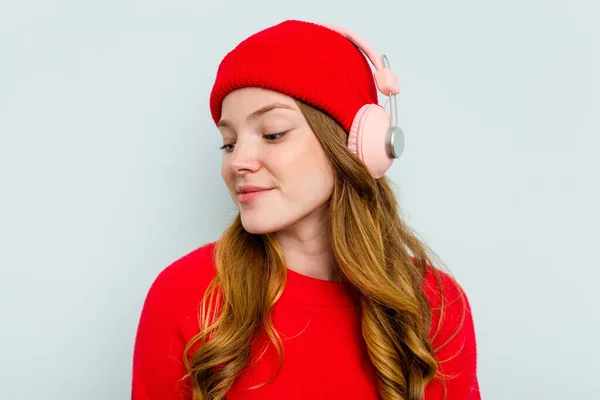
307 249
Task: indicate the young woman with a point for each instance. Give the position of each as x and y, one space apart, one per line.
318 289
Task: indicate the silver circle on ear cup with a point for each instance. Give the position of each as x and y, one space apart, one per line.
395 138
395 142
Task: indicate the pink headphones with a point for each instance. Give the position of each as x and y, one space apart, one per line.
375 136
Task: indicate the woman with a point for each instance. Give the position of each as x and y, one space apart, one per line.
318 290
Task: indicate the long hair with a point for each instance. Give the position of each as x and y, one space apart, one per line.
374 250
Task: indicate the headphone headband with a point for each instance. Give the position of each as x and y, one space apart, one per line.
385 79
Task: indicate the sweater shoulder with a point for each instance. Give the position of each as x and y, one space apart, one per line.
440 286
195 266
452 333
451 311
181 285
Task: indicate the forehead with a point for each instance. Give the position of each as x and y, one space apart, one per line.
241 103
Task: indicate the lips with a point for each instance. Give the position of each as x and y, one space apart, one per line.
250 188
247 195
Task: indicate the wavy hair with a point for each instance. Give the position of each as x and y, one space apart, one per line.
374 250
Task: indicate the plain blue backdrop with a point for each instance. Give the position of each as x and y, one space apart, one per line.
109 171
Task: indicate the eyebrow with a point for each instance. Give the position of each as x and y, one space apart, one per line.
257 113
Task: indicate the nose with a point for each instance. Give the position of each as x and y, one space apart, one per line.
245 156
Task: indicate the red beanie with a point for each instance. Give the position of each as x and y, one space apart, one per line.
303 60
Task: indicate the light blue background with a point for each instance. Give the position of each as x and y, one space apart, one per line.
109 171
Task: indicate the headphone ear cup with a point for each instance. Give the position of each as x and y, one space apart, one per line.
367 138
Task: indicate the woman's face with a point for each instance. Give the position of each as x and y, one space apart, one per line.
269 146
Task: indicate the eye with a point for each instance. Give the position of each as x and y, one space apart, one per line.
273 137
228 148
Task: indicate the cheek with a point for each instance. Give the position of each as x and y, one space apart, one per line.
306 173
224 171
227 177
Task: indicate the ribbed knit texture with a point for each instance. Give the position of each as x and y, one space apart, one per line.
303 60
324 354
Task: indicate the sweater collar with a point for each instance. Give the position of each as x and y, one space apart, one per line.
319 292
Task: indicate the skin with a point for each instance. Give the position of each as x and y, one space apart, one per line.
293 164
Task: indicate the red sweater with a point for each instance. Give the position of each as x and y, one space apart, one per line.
324 353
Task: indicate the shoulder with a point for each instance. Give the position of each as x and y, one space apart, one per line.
167 323
452 333
182 283
451 310
197 264
439 286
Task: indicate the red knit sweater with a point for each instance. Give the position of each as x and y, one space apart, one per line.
324 354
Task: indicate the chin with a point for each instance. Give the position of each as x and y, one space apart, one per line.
258 230
260 224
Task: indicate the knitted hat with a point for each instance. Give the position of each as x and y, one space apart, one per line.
303 60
